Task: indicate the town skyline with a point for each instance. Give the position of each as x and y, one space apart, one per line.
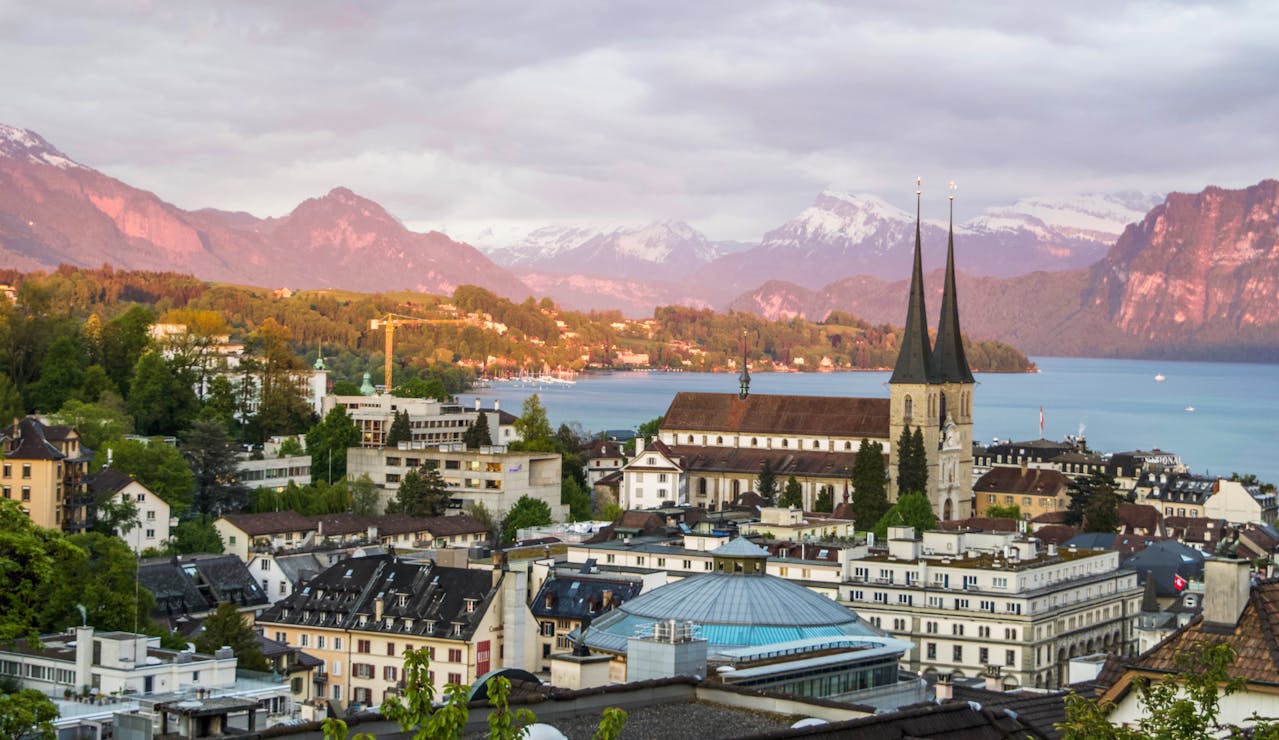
729 119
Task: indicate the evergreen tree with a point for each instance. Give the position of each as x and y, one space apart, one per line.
364 496
226 627
825 503
11 406
1102 513
400 430
328 441
421 493
160 402
792 494
61 375
912 463
870 484
477 435
766 482
1082 490
577 499
214 463
221 404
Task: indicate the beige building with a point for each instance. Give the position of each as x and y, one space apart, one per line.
492 476
793 525
1034 490
45 470
431 422
359 616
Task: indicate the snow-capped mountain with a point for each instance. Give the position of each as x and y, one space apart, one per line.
26 145
1099 216
662 250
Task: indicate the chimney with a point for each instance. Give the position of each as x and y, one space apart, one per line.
993 680
943 689
608 599
378 604
497 405
1226 587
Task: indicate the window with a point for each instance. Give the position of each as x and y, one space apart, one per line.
930 650
930 627
151 535
304 640
363 646
284 589
548 629
362 670
26 493
983 631
8 470
390 649
958 653
26 470
151 515
983 655
906 599
264 565
455 678
957 629
455 655
899 625
970 581
881 597
389 673
961 603
1010 633
319 642
934 602
337 642
987 606
1001 583
1010 658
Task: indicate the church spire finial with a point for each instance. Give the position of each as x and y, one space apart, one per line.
949 360
914 361
744 380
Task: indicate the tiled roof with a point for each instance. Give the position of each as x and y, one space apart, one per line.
602 449
31 443
572 597
110 480
1255 640
748 460
1043 710
1055 534
779 414
956 720
1051 517
270 522
1135 517
196 585
1022 482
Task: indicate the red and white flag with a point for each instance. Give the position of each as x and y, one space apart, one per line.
1041 422
1178 582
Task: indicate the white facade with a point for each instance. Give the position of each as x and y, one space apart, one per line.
650 478
968 600
154 519
1237 505
274 472
431 422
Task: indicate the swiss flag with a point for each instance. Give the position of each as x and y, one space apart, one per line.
1178 582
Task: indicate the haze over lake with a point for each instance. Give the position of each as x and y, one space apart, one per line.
1118 403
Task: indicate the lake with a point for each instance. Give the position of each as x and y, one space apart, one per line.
1118 403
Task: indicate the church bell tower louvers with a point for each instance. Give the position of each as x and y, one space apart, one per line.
931 388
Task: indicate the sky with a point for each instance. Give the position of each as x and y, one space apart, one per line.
729 115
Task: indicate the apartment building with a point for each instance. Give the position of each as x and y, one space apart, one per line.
151 529
969 600
431 422
1034 491
45 469
360 615
492 476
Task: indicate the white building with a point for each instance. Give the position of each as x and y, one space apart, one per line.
1240 504
274 472
653 477
154 520
974 599
431 422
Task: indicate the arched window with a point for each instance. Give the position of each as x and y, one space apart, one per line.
817 445
690 439
942 415
719 440
848 445
701 486
754 442
908 408
785 443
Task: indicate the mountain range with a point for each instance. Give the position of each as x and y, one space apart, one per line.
1109 274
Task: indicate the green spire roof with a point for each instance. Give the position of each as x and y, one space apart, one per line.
914 361
949 363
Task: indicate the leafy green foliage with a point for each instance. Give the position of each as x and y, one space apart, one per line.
422 388
100 576
649 429
27 715
11 406
792 494
1012 511
328 441
317 498
1094 504
911 510
912 462
825 502
533 427
213 462
194 535
611 512
870 484
156 465
577 499
31 559
364 496
227 627
161 401
421 493
346 388
291 447
527 512
505 724
61 375
98 422
480 513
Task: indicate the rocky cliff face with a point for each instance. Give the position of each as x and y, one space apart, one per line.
1201 264
54 211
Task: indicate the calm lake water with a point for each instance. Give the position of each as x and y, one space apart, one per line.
1118 404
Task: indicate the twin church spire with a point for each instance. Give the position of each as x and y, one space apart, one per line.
920 361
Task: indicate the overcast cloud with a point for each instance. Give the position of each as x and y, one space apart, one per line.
730 115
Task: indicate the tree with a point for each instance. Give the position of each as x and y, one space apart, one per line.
195 535
95 384
11 406
399 431
156 465
226 627
102 580
364 496
533 426
160 401
99 422
480 513
221 404
61 375
214 463
527 512
1082 492
577 500
27 715
420 388
911 510
328 442
124 339
912 462
346 388
1102 513
477 434
825 503
870 484
766 482
421 493
282 408
649 429
792 494
291 447
115 513
1012 511
30 561
1183 706
611 512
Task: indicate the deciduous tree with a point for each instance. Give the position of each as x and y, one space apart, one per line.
911 510
156 465
30 560
102 580
27 715
527 512
364 496
160 401
194 535
226 627
328 441
105 420
533 426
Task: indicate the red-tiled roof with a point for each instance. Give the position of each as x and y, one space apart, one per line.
1137 518
835 416
270 522
1022 482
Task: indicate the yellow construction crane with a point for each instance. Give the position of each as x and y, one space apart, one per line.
392 320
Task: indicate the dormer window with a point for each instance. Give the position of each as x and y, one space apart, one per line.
402 601
470 605
457 629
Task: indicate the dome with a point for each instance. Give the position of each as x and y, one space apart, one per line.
730 611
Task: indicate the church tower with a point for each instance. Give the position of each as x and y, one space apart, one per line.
913 388
954 382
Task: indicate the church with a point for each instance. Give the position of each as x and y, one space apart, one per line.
710 446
